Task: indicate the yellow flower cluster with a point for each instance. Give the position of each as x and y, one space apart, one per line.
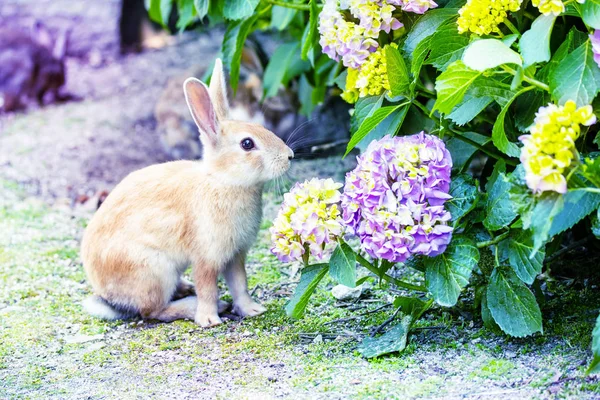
550 148
309 218
483 16
548 7
370 80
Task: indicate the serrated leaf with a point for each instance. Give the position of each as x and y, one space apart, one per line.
418 57
577 77
160 10
512 304
498 132
594 367
369 124
486 314
426 26
535 43
388 126
342 265
447 46
364 108
596 224
590 12
201 7
486 54
308 38
397 71
527 106
452 84
239 9
278 66
233 44
546 208
518 249
577 204
469 108
498 207
281 17
187 13
391 341
309 279
464 194
461 151
447 274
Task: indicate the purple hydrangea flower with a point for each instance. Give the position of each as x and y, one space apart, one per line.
595 38
394 199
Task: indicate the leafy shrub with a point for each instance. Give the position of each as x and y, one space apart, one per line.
508 84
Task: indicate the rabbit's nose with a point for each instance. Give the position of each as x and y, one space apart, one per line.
290 154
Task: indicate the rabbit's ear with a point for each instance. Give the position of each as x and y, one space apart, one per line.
41 35
60 47
201 107
218 91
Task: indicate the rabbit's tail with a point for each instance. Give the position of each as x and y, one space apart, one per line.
100 308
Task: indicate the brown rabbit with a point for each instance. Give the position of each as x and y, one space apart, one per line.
31 65
163 218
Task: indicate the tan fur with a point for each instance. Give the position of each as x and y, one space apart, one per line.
163 218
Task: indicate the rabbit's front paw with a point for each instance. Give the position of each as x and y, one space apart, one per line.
248 309
207 320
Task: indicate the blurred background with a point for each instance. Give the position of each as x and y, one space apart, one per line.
91 90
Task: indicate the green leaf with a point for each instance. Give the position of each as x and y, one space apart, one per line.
447 46
527 106
310 278
391 341
498 207
594 367
518 249
596 224
187 13
452 84
469 108
512 304
577 205
397 72
426 26
364 108
412 306
239 9
498 132
447 274
489 53
201 7
342 265
388 126
281 17
419 56
486 314
369 124
535 43
461 151
547 207
233 44
590 12
310 33
160 10
577 77
278 66
464 194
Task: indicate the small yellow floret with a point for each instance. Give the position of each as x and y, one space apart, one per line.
482 17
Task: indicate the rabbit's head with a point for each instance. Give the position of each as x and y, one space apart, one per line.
239 153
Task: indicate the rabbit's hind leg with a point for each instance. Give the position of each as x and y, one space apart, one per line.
185 288
179 309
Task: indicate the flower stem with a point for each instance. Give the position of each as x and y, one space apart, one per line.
473 143
529 80
294 6
512 28
388 278
493 241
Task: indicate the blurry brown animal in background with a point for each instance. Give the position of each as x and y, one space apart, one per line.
32 66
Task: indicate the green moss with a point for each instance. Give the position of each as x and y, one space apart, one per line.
97 357
494 369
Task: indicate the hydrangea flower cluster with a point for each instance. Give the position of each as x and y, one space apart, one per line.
550 148
370 80
353 42
595 39
309 218
394 199
548 7
482 17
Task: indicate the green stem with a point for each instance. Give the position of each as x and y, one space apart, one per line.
388 278
421 106
529 80
294 6
493 241
512 28
590 190
492 154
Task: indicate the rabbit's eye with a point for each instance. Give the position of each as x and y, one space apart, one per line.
247 144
